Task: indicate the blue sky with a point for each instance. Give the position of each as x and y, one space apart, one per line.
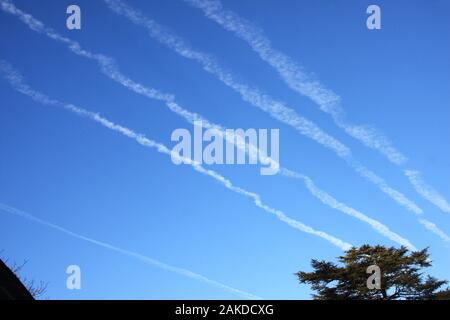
83 177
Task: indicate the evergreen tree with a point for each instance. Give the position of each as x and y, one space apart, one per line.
401 276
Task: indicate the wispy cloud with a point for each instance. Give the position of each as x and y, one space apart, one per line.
296 77
275 108
110 69
129 253
335 204
427 191
16 80
300 81
433 228
396 195
255 97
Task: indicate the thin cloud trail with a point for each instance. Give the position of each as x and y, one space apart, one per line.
433 228
337 205
427 191
108 67
277 109
297 79
145 259
251 95
379 227
397 196
16 80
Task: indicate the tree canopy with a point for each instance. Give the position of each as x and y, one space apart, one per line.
401 276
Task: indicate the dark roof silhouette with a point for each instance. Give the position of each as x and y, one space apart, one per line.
11 288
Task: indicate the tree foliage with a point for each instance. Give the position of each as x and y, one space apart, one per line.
402 276
36 289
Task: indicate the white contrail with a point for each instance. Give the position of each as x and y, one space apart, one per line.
397 196
277 109
108 67
335 204
295 76
427 191
298 80
148 260
382 229
16 80
251 95
433 228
